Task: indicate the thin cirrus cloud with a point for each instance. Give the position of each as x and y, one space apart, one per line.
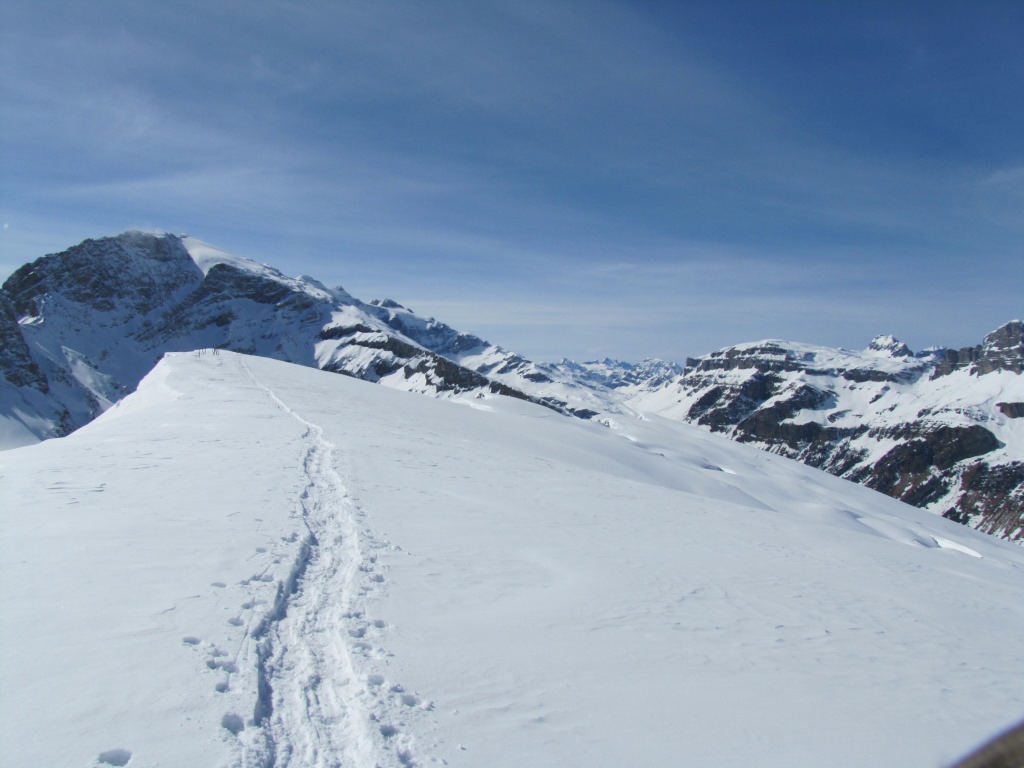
729 168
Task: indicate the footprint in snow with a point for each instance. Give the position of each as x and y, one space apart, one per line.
232 723
117 757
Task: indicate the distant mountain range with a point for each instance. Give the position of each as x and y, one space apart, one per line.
942 429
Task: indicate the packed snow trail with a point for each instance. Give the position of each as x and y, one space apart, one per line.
312 704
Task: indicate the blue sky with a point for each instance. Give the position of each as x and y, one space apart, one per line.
575 179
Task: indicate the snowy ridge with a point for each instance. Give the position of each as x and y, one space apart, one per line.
207 257
548 591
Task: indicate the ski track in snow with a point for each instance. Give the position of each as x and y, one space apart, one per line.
318 706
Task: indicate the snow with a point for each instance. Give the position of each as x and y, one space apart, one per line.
21 426
207 256
247 562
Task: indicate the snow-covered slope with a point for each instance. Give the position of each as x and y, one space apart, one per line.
253 563
942 430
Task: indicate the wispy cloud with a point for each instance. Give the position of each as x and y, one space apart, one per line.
1001 197
736 172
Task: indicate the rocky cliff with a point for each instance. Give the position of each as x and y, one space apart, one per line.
939 429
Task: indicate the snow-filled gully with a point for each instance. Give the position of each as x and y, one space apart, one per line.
314 708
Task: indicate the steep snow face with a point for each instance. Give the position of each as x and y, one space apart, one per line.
252 563
943 435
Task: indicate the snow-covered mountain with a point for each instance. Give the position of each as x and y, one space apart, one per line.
81 328
247 562
942 429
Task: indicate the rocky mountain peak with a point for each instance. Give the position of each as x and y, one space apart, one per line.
132 272
889 345
1001 350
389 304
81 328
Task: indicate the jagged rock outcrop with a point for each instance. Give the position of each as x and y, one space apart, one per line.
15 358
1011 410
1001 350
932 429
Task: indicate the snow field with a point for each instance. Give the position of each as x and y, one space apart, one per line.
138 555
253 563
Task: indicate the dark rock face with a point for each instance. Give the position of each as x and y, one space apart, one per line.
1002 350
903 470
722 406
16 363
992 498
1011 410
134 272
766 357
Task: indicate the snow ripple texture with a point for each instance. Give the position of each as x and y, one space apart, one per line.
316 707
